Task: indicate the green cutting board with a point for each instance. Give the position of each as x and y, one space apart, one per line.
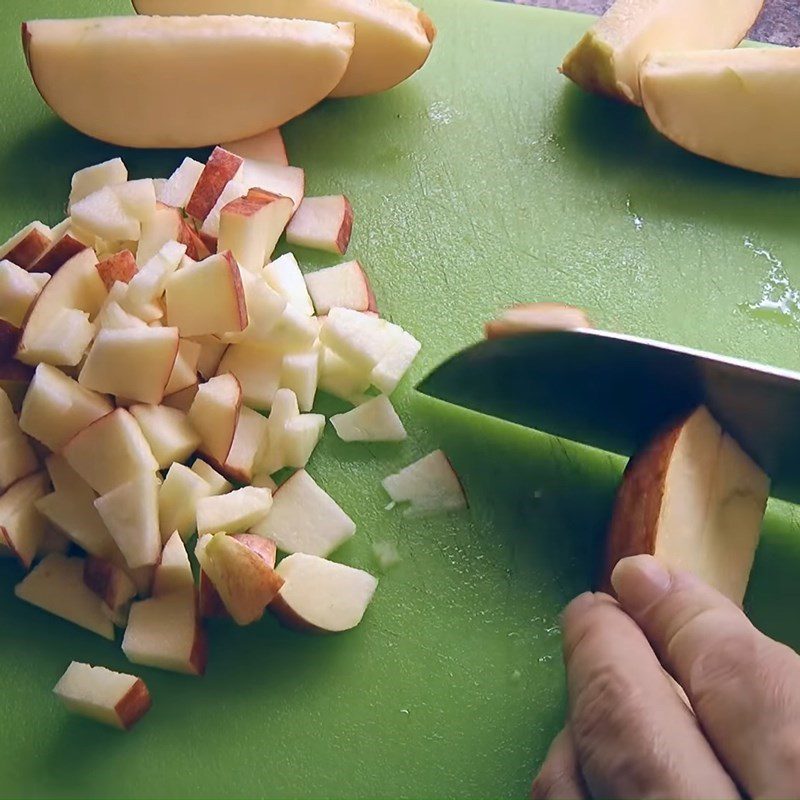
487 179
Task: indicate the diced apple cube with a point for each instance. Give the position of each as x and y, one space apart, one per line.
18 289
17 459
64 340
103 214
138 198
21 525
322 223
91 179
257 370
342 286
168 432
284 276
117 267
340 378
234 512
430 485
372 421
177 501
163 226
25 246
300 373
217 482
215 414
59 253
300 437
173 572
181 184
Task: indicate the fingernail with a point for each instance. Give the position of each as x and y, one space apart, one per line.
640 581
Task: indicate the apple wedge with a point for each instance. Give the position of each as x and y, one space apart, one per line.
529 317
17 459
164 632
714 103
373 421
117 267
56 408
168 432
177 501
95 177
215 413
18 290
304 519
321 596
393 37
25 246
234 512
131 104
267 147
429 485
342 286
241 569
284 276
111 583
112 698
607 59
221 168
257 370
173 571
56 585
207 297
694 499
110 452
322 223
21 525
61 251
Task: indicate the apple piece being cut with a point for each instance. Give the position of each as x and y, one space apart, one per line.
608 57
241 569
322 223
284 276
373 421
694 499
321 596
110 452
21 525
300 373
25 246
234 512
528 317
56 585
17 459
91 179
164 632
18 289
110 583
207 298
248 441
268 147
177 501
713 104
429 485
259 177
130 512
221 168
64 340
301 436
168 432
393 37
215 413
132 105
173 572
304 519
342 286
103 214
218 483
184 371
389 371
56 408
135 363
340 378
61 251
117 267
250 228
257 371
112 698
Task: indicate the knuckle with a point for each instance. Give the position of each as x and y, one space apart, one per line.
546 784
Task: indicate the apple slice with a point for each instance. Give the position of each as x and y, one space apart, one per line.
164 225
221 168
248 441
322 223
65 339
608 58
259 176
112 698
110 452
527 317
77 285
214 414
132 105
18 289
301 436
321 596
300 373
102 214
168 432
257 371
56 408
250 228
111 584
207 298
164 632
340 378
181 184
177 501
61 251
342 286
389 371
25 246
17 459
241 569
373 421
91 179
695 500
117 267
268 147
304 519
21 525
218 483
393 37
711 103
173 572
184 371
234 512
284 276
429 485
135 363
56 585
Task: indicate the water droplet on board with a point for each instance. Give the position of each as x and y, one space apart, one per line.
779 299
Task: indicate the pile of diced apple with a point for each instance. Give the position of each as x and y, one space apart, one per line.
143 337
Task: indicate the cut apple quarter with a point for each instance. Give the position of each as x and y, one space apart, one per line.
305 519
714 104
372 421
429 485
322 596
112 698
106 76
695 500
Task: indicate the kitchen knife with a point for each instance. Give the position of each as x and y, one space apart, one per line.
614 391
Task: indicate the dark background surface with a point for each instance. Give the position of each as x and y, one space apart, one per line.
779 21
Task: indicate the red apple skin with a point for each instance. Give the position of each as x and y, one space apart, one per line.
265 548
104 579
236 281
220 168
289 618
55 257
209 603
9 340
26 251
198 658
134 705
209 241
346 229
196 248
117 267
540 317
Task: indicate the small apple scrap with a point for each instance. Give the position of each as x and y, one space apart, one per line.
429 486
148 396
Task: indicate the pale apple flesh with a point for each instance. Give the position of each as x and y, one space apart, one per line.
24 247
110 583
430 486
343 286
221 168
322 223
372 421
534 317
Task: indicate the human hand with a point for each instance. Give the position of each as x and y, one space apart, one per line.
630 733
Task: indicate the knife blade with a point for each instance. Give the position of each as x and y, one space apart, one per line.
613 391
